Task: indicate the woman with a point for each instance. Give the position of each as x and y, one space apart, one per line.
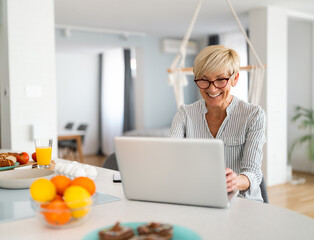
220 115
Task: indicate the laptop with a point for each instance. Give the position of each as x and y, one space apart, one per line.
168 170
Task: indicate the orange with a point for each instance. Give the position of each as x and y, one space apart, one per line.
86 183
58 197
61 182
56 212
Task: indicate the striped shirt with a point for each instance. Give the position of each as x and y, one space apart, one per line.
243 134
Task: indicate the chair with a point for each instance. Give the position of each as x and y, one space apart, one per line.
82 127
111 162
70 146
264 191
69 126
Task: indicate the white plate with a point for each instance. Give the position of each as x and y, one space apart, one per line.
23 178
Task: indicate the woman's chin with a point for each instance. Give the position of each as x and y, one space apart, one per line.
214 101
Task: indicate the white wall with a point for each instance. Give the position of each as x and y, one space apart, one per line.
29 70
155 102
158 105
5 81
300 44
78 94
268 33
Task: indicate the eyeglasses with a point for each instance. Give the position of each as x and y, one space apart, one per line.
219 83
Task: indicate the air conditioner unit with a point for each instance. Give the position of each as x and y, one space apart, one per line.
173 46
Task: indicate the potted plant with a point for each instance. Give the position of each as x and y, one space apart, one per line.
306 118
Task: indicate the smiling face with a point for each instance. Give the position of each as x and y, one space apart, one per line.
215 97
216 62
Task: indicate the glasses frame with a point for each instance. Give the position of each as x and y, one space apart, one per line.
212 82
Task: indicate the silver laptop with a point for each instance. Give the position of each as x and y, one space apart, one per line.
180 171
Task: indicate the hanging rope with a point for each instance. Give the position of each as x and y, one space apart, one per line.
257 73
176 77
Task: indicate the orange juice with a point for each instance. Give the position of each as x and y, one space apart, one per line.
43 155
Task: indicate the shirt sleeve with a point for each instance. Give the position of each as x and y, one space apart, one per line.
253 151
178 126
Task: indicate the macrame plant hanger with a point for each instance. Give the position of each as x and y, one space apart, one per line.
177 72
177 76
257 73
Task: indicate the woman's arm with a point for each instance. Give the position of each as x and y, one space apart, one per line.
178 126
251 161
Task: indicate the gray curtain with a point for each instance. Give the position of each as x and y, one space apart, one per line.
100 152
128 93
213 39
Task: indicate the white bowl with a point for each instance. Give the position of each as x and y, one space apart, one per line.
23 178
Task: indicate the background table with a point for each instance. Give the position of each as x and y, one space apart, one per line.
73 135
245 219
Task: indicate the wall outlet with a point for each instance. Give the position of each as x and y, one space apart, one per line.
33 91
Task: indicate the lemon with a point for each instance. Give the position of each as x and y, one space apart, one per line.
77 197
43 190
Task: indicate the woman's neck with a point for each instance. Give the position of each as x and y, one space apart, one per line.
217 113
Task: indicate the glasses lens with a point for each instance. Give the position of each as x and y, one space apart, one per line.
220 83
202 84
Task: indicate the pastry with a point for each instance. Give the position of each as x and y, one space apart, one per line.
7 156
148 237
117 232
7 159
162 230
6 163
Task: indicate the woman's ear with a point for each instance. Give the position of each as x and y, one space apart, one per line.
235 80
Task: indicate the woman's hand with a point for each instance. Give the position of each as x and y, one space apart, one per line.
232 180
235 181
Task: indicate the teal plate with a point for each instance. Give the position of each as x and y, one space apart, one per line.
179 232
9 167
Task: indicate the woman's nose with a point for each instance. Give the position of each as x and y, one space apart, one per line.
211 86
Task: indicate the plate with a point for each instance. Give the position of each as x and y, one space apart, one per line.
9 167
179 232
23 178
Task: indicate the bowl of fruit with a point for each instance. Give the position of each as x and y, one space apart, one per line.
61 202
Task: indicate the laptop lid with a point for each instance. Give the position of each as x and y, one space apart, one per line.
181 171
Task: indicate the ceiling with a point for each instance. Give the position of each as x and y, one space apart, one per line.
169 18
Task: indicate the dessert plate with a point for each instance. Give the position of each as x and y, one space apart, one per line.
179 232
23 178
9 167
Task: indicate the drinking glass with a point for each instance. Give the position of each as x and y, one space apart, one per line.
43 152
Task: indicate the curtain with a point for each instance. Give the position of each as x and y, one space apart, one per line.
112 97
128 93
236 41
100 152
213 39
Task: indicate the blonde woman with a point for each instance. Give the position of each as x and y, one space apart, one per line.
220 115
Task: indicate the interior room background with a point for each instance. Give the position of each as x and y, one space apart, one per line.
77 73
77 68
154 104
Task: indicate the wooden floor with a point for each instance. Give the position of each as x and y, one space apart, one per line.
299 198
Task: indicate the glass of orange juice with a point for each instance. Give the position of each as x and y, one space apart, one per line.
43 152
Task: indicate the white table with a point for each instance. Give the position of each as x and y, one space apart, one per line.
245 219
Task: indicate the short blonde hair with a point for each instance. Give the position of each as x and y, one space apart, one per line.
216 58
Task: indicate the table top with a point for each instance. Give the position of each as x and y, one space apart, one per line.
71 133
245 219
